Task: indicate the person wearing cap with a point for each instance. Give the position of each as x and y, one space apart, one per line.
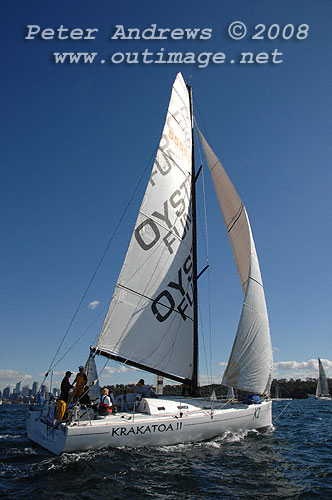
65 387
144 389
80 381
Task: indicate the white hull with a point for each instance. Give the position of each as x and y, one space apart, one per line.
190 424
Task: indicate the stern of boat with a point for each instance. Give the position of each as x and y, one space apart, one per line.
46 434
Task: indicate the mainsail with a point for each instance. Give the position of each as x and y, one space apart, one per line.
322 388
250 365
149 323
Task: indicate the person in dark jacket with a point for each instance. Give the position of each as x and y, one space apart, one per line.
85 398
65 387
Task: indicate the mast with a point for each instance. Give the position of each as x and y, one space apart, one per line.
194 381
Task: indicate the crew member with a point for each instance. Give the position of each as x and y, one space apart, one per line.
65 387
80 381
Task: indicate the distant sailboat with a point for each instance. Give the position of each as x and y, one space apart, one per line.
277 392
159 385
277 396
230 393
152 321
322 389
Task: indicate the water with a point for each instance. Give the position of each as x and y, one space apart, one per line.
294 462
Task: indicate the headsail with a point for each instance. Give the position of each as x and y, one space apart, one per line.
322 385
250 365
149 322
92 378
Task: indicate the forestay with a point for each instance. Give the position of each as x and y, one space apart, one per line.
149 322
250 365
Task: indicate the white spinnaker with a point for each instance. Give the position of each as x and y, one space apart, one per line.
149 320
92 378
250 364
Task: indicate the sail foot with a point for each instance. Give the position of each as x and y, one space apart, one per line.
140 366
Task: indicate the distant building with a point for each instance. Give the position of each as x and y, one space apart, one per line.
25 391
44 390
6 392
34 388
18 388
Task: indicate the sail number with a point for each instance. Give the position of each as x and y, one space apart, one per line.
257 412
177 142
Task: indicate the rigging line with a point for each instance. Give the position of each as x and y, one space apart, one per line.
204 199
208 371
206 248
281 412
101 260
202 335
103 368
202 121
80 337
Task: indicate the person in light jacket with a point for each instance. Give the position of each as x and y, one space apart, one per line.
144 389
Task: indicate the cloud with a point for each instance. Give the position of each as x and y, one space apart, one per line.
122 369
55 374
208 379
301 369
297 369
13 376
94 304
311 364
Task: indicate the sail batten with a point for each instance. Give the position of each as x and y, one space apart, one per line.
149 298
250 364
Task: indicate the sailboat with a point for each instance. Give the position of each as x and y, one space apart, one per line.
277 396
230 393
322 389
152 321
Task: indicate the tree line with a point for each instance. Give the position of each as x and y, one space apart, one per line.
295 389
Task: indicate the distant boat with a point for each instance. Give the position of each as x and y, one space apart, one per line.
277 397
230 393
322 389
152 322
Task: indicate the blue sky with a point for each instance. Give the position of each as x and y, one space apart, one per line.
78 137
